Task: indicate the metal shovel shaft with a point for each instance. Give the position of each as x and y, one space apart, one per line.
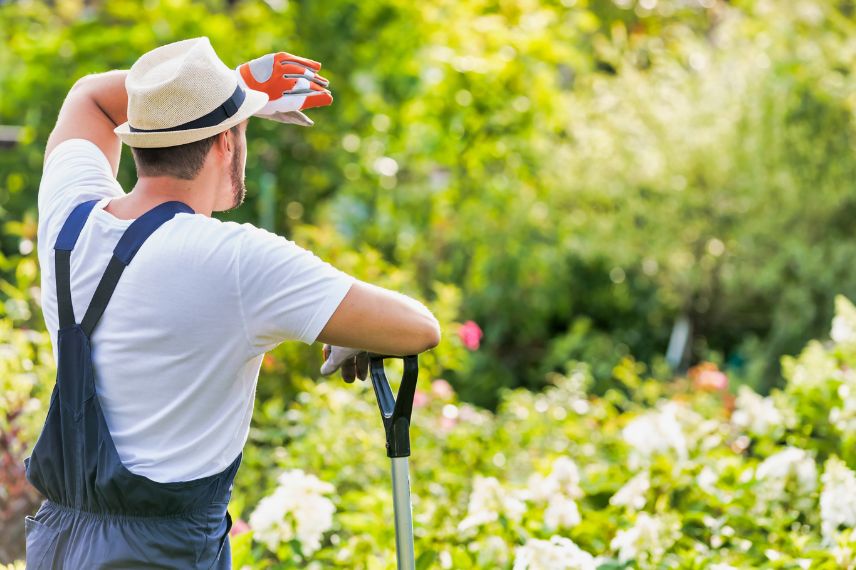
403 513
395 412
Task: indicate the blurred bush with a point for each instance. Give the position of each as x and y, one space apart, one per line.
585 172
573 177
650 475
26 381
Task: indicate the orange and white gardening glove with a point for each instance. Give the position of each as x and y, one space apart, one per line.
292 85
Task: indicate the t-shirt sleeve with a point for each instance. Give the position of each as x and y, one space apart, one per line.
75 171
286 292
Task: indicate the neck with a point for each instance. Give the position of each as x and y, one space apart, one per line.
153 190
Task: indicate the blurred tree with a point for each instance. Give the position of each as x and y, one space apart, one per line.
585 171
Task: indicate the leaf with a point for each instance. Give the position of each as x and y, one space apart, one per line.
425 560
242 549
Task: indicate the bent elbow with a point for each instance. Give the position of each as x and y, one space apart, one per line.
432 335
82 83
436 336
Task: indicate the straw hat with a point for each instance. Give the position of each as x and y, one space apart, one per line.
181 93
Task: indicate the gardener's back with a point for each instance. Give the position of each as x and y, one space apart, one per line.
160 316
177 351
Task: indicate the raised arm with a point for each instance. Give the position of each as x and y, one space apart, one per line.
95 106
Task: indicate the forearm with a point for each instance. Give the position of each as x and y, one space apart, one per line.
380 320
107 91
94 106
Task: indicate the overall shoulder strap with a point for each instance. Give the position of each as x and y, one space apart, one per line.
65 242
130 242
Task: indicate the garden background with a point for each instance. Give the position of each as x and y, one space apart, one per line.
573 187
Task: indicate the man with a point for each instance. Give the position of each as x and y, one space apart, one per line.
160 315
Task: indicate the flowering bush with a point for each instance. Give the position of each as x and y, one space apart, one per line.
26 364
649 475
297 510
470 334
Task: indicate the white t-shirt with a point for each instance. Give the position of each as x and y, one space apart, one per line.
178 350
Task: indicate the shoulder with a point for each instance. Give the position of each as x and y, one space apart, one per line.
76 161
211 240
205 230
74 172
198 234
251 242
76 150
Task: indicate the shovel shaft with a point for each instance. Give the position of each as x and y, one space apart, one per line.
395 412
403 513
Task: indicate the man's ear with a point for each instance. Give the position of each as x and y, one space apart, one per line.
224 143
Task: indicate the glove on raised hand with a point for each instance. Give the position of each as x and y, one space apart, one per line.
292 84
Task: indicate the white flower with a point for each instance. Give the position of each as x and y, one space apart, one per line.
844 550
837 499
657 432
648 539
567 476
296 509
564 478
267 519
559 553
756 414
844 416
844 323
814 368
842 330
297 480
492 551
562 512
788 476
487 501
707 479
791 462
632 494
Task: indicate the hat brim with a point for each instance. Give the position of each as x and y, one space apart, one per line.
254 101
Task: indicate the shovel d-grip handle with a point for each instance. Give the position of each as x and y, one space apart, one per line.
395 410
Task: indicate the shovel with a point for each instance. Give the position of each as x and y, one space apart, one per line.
395 412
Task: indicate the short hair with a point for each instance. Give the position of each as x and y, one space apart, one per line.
183 161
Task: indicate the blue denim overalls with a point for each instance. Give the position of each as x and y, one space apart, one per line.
99 515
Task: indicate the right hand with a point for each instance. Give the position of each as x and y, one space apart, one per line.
353 362
292 84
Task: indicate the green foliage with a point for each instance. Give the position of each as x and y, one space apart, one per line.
672 476
573 176
26 367
580 170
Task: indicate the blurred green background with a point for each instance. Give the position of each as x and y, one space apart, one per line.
584 173
574 176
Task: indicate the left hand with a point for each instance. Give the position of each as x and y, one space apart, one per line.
353 362
292 84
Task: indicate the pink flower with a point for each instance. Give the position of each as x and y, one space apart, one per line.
239 527
708 377
470 334
420 399
442 389
446 424
713 380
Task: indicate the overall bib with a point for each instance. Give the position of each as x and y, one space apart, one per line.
99 515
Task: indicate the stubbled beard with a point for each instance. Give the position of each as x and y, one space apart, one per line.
239 189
